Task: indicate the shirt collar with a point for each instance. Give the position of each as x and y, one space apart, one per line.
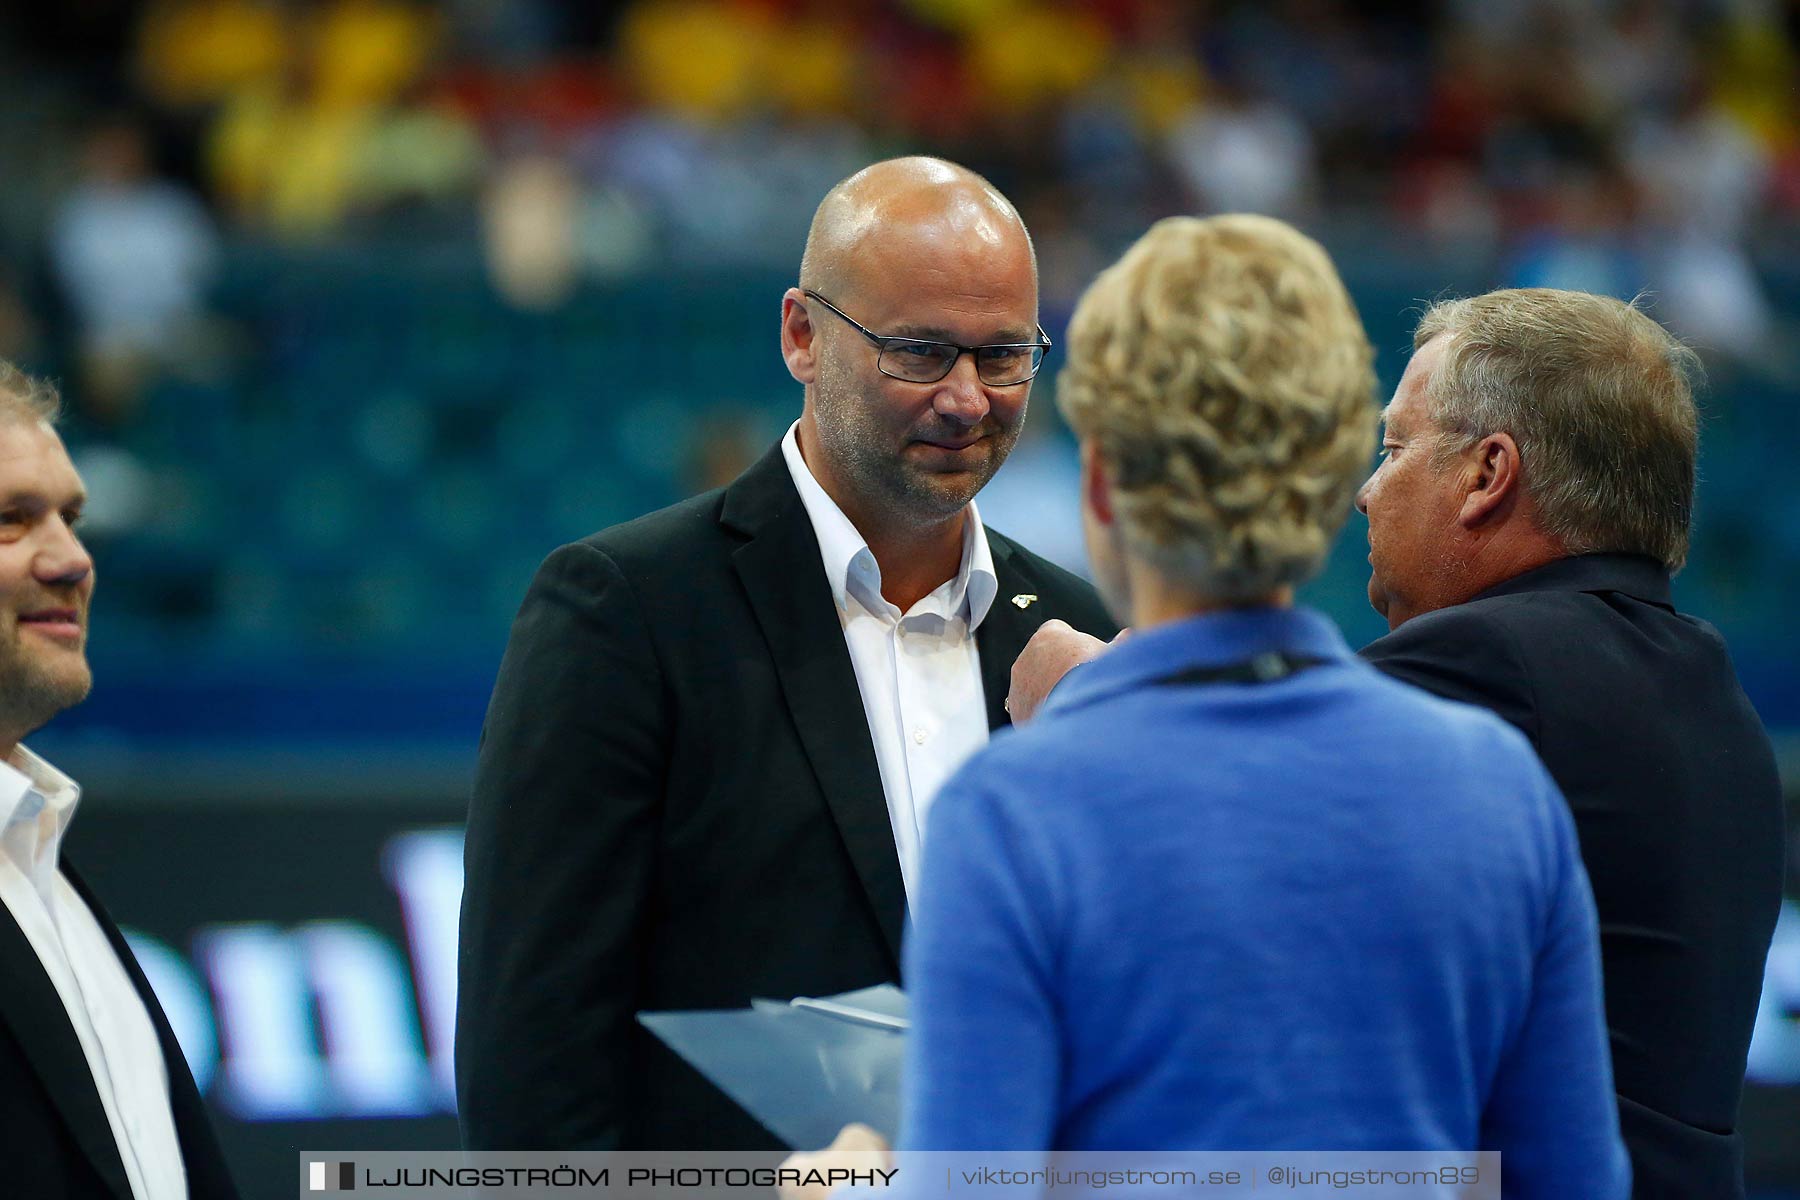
24 774
1213 639
849 560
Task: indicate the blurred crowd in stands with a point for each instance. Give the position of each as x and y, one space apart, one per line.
1596 142
171 167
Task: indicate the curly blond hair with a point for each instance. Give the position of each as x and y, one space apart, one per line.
1223 374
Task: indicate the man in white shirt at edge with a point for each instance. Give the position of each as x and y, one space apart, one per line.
98 1101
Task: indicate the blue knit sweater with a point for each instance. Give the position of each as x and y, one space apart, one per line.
1328 912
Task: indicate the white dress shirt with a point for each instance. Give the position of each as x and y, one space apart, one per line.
919 671
37 802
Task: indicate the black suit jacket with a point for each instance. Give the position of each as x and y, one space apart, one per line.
54 1136
677 806
1637 714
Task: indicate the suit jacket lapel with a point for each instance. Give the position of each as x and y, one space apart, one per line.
785 580
32 1009
201 1156
1009 624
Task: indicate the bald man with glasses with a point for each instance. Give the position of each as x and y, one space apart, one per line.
712 750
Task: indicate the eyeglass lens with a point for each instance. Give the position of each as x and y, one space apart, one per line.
928 362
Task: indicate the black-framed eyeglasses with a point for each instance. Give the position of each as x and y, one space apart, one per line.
915 360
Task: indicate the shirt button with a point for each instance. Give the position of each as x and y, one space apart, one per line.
919 737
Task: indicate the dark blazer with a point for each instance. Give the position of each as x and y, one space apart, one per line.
1637 713
677 806
54 1136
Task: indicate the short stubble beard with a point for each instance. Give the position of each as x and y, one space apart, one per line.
30 693
880 476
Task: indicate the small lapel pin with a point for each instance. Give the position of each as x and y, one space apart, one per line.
1024 599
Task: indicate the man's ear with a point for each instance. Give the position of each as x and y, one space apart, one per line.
1096 483
1497 483
798 337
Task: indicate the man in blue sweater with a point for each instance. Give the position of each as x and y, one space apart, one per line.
1233 889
